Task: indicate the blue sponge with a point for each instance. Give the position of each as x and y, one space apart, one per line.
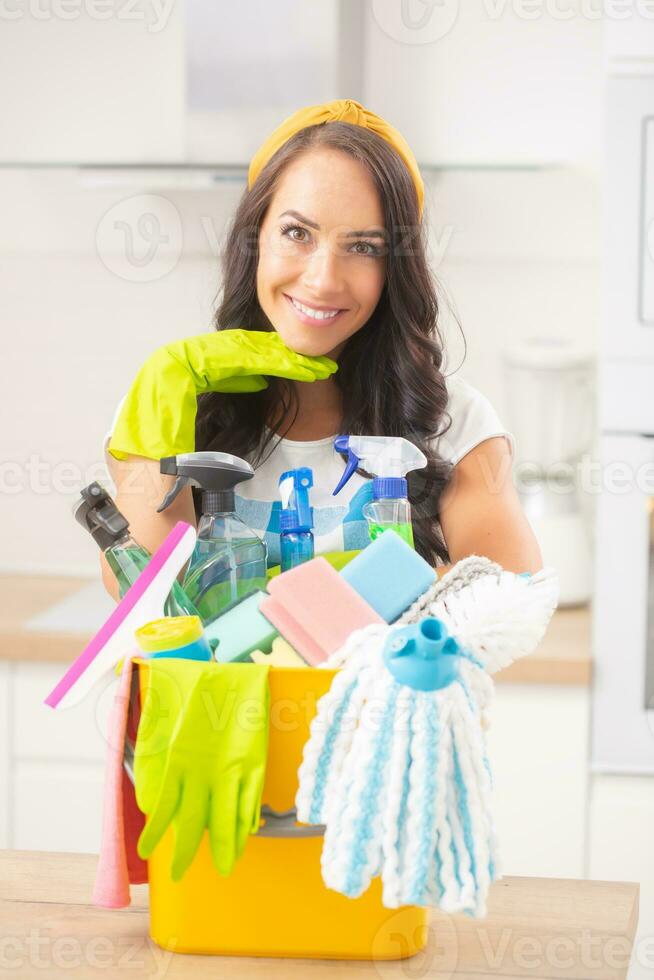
389 575
241 630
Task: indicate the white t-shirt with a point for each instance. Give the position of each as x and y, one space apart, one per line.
339 524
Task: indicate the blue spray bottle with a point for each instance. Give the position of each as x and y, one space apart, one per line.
296 536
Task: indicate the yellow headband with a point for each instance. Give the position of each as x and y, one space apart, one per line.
341 110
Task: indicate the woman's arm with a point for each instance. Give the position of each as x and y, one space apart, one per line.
481 514
140 488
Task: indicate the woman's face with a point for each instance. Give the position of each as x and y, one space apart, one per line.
321 244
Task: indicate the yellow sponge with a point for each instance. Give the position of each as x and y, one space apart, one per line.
282 655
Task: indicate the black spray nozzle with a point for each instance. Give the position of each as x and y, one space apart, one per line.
98 514
215 473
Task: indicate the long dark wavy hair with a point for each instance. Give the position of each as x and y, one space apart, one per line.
389 372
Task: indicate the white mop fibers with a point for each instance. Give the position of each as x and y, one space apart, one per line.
400 777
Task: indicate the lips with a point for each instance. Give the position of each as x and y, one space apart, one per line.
307 317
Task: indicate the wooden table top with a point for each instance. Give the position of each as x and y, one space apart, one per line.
536 927
563 657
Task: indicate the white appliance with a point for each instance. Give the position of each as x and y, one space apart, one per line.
623 627
549 390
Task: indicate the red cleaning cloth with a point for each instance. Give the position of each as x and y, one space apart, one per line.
119 864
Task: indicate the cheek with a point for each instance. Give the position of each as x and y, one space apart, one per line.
370 287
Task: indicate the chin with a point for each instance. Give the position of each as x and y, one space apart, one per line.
306 343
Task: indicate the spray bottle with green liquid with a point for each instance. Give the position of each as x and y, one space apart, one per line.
389 459
98 514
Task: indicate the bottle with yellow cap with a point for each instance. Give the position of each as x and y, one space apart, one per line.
174 636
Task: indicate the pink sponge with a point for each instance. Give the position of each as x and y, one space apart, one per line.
315 609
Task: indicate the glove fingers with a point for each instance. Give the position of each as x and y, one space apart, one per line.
249 810
301 370
160 818
242 383
222 825
322 367
189 822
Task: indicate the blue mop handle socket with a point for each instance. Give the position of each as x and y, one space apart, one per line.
423 656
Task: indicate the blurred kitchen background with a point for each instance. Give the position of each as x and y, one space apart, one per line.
126 132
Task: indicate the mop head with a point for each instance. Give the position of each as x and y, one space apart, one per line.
396 766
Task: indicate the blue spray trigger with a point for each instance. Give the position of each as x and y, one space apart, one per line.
423 656
342 445
297 513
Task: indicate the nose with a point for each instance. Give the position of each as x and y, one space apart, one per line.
323 273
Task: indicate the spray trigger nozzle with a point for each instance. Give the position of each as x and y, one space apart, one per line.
388 458
342 445
206 470
294 486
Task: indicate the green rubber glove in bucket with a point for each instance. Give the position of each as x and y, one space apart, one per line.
157 416
209 761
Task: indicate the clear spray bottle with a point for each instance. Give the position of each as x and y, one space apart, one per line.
389 459
229 559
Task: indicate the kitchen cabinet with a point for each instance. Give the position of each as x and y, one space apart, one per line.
56 806
480 84
53 773
250 66
171 82
630 40
91 83
538 749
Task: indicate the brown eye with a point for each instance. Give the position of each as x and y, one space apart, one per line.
370 249
288 232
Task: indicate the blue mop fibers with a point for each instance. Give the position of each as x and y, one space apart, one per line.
465 811
406 783
473 707
487 766
370 797
324 762
419 884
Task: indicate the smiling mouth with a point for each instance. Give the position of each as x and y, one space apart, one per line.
310 315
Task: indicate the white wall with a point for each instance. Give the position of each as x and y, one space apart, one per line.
77 321
477 84
484 80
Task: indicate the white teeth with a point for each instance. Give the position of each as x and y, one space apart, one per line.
314 314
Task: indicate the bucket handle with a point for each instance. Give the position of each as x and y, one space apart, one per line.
284 824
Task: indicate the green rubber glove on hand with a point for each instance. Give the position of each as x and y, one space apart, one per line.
208 765
157 417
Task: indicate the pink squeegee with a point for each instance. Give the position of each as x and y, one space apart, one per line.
143 602
315 609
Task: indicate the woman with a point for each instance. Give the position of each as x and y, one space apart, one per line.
325 268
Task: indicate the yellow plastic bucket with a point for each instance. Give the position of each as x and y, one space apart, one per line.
275 902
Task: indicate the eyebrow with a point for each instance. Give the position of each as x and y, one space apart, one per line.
371 233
